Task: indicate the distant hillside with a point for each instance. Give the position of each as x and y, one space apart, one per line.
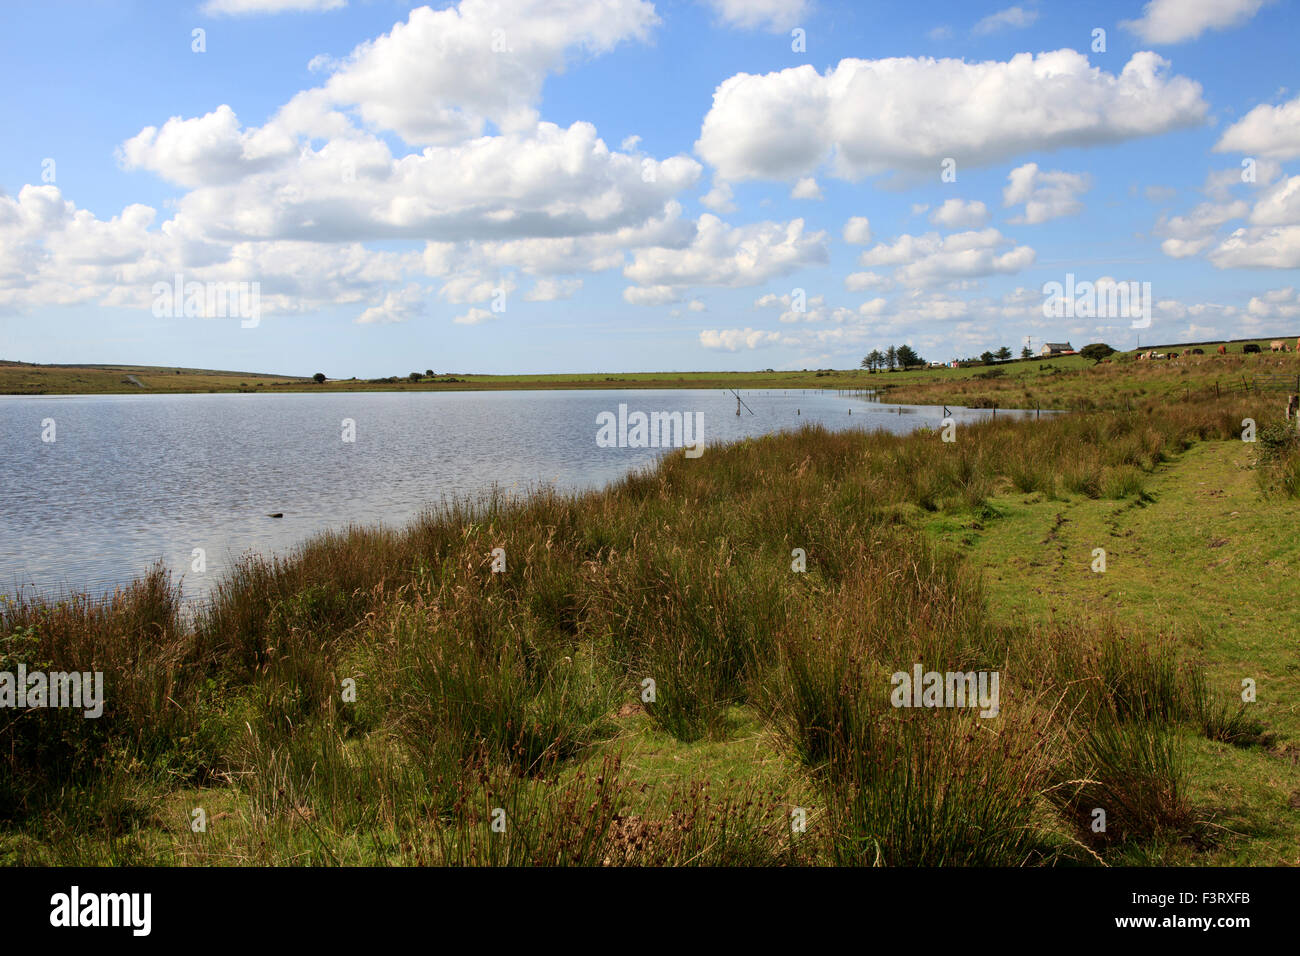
25 378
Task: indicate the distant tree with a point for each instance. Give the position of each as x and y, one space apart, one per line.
318 377
428 373
415 376
907 357
1096 351
1026 352
1003 354
891 357
986 358
873 360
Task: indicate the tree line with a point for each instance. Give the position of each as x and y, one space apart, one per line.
896 356
905 357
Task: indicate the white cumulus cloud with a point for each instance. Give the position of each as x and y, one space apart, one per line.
775 15
733 340
400 306
909 113
1174 21
857 231
734 256
1271 131
1044 194
932 259
960 214
1012 18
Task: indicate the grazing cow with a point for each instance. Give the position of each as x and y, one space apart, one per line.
1223 350
1173 355
1277 345
1198 351
1250 348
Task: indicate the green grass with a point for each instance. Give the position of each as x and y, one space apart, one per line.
525 692
1201 557
18 378
25 379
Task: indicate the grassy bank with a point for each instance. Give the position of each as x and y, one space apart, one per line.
24 379
1120 382
650 680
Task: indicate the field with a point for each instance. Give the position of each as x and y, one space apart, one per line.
1031 383
1071 382
696 666
23 379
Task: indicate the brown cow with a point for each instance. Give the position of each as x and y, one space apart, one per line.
1277 345
1223 349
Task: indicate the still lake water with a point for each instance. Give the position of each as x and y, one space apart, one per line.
131 479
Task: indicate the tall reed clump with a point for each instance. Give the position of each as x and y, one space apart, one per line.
935 788
902 786
158 707
1125 777
692 629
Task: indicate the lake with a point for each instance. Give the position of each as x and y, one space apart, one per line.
131 479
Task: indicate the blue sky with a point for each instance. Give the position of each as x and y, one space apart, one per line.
615 185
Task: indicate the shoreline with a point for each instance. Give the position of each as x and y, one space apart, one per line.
465 502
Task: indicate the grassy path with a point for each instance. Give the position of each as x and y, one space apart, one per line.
1202 558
